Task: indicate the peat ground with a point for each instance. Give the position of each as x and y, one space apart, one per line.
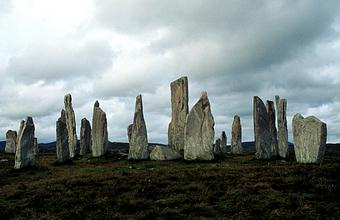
232 187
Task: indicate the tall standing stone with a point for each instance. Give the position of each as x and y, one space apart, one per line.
272 128
24 154
179 110
261 130
85 137
281 108
62 146
236 136
199 131
71 125
310 136
99 131
137 134
11 140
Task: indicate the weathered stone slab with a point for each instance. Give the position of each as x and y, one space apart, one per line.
310 136
85 137
137 134
281 108
164 153
24 155
199 131
236 136
272 128
71 126
261 130
99 131
62 144
11 141
179 109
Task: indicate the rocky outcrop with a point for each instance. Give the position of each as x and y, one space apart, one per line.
164 153
281 108
99 131
24 155
179 109
62 146
261 130
11 141
272 129
199 131
71 126
85 137
137 134
236 136
310 136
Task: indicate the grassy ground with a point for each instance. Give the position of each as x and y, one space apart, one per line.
236 187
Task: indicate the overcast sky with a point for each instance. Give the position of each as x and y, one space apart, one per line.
114 50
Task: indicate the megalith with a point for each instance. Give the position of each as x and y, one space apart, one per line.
179 112
99 131
199 131
137 134
310 136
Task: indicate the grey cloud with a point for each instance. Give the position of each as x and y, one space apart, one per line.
50 62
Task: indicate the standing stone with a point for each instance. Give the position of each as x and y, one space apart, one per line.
261 130
71 126
310 136
199 131
179 109
137 134
99 131
217 147
85 137
272 128
236 136
24 154
224 146
281 108
62 146
11 140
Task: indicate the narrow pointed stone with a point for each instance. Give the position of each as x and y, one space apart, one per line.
85 137
71 126
179 111
99 131
261 130
11 140
236 136
281 108
62 144
137 134
24 155
199 131
310 136
272 128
